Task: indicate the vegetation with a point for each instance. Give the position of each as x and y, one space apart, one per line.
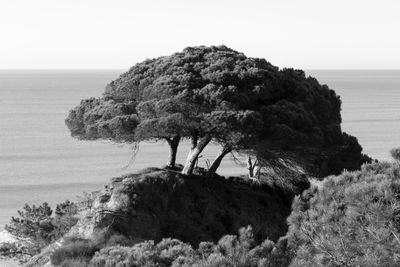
158 203
288 126
346 220
349 220
395 153
82 250
230 250
37 223
38 227
216 94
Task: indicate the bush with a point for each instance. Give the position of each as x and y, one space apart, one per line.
395 153
82 250
37 228
37 223
231 250
349 220
74 249
34 222
74 263
143 254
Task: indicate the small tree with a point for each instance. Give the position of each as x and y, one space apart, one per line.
34 222
38 225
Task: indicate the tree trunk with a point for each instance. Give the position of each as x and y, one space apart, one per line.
253 167
173 148
214 166
197 148
257 170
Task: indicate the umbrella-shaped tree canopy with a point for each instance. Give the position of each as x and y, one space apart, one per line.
216 94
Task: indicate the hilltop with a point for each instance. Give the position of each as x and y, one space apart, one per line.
158 203
160 218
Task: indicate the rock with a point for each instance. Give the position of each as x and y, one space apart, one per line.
159 203
164 203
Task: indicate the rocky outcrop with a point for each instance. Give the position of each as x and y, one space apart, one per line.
162 203
159 203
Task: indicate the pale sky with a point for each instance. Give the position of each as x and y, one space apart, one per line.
306 34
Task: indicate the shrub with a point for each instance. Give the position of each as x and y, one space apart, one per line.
74 263
38 224
82 250
349 220
66 208
395 153
74 249
231 250
34 222
37 228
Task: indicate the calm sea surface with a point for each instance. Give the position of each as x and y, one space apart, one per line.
39 161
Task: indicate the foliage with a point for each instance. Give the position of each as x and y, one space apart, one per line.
349 220
81 250
18 250
34 222
395 153
154 204
103 118
217 94
231 250
76 249
39 227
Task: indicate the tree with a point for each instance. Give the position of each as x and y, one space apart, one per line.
217 95
34 222
38 225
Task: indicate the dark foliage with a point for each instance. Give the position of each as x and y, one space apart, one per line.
348 220
395 153
218 94
230 251
162 203
36 224
103 118
80 251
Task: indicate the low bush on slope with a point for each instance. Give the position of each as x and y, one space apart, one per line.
36 227
231 250
349 220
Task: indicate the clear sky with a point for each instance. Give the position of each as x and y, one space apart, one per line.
307 34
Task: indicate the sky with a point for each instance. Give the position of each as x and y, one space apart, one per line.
116 34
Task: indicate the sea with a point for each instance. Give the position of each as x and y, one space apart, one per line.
41 162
